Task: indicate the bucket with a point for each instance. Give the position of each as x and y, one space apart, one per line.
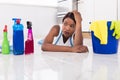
110 48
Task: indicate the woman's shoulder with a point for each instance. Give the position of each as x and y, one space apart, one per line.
56 29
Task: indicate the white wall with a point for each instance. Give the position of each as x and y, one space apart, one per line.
86 8
42 18
32 2
118 9
105 9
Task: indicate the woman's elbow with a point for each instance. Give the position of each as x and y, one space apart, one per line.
43 47
46 47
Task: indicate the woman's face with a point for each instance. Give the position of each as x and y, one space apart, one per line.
68 27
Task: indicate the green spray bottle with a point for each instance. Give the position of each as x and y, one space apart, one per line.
5 42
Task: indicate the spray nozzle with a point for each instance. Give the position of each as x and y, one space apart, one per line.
29 24
5 28
16 20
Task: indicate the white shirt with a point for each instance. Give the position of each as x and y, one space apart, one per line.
59 40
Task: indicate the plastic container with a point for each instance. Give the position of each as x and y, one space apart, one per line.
5 42
18 37
110 48
29 43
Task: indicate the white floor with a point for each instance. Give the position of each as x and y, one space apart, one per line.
60 65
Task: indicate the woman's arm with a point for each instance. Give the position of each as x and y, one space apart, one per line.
47 44
78 38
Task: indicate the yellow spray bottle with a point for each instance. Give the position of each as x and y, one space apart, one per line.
5 42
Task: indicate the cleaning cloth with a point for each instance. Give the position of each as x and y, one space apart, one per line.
100 30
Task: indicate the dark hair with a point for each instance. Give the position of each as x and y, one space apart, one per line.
69 15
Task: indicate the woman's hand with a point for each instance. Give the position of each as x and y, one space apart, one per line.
77 16
80 49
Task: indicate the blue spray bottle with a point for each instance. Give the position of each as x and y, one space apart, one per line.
18 37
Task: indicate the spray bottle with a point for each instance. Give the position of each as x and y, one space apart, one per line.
29 43
18 37
5 42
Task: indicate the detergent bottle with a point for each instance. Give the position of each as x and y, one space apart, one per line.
29 43
18 37
5 42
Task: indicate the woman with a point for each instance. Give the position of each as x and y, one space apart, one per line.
69 38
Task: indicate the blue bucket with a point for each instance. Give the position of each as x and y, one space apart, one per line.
110 48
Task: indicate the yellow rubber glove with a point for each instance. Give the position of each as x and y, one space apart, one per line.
116 27
113 27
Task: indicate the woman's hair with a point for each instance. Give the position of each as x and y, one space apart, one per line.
69 15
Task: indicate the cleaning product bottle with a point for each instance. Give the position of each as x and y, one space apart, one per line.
5 42
18 37
29 43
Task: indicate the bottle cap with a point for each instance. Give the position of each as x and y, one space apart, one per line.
5 28
29 24
18 21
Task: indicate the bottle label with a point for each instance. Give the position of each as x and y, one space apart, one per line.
29 36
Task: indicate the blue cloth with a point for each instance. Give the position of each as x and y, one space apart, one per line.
40 41
11 49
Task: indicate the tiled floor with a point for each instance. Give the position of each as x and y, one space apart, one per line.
60 65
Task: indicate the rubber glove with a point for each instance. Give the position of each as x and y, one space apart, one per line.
116 26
